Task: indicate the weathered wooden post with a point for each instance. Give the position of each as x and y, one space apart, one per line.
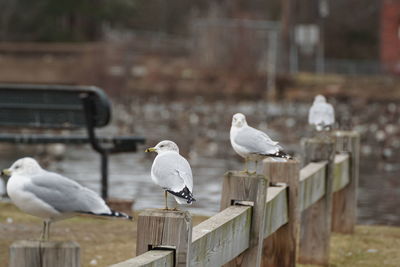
44 254
280 247
344 208
165 229
247 189
315 229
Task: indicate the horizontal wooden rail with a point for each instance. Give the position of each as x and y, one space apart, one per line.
276 213
341 172
152 258
222 237
312 183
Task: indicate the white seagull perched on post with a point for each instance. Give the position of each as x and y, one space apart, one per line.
172 172
253 144
321 114
51 196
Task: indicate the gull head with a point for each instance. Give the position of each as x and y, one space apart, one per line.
24 166
164 146
239 120
319 99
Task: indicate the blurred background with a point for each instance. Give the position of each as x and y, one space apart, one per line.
180 69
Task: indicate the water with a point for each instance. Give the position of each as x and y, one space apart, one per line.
202 132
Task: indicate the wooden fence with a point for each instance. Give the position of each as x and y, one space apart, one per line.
263 223
278 218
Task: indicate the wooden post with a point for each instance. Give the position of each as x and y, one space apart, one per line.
315 226
26 253
280 247
247 189
344 208
165 229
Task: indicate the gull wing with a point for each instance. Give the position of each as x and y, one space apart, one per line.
64 194
255 141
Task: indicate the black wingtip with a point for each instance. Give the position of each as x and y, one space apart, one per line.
121 215
189 201
185 194
113 213
280 154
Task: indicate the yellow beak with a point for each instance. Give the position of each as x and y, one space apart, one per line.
150 149
6 172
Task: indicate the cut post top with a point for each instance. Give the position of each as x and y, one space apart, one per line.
241 174
288 161
346 133
166 213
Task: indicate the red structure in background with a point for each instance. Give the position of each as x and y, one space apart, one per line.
390 35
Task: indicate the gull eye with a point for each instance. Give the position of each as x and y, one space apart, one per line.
162 146
17 167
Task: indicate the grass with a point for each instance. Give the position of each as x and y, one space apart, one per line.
370 246
105 241
110 241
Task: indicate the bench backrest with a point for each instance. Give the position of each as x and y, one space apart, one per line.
51 106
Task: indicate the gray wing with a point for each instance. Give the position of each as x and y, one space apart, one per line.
312 115
65 195
173 172
256 141
316 114
321 113
330 114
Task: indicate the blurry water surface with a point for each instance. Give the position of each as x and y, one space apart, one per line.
201 129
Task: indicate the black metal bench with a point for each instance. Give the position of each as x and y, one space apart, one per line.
62 107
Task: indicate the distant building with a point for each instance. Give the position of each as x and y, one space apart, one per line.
390 35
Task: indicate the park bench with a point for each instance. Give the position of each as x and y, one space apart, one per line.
61 107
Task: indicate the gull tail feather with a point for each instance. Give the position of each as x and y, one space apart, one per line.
183 194
113 213
279 155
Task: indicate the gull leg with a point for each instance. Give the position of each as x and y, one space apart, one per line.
48 231
42 235
246 169
166 200
255 171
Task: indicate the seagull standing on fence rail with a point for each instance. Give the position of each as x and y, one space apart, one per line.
51 196
172 172
253 144
321 114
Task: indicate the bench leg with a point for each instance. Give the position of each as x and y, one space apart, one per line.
104 175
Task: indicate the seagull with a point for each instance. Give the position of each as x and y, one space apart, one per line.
321 114
51 196
252 144
172 172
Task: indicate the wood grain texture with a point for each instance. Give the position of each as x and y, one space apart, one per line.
152 258
312 184
280 248
165 228
276 210
341 172
237 187
26 253
222 237
315 230
345 201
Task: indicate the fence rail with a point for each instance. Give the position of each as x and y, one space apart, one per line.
312 184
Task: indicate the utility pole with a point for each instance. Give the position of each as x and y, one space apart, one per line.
287 22
323 12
